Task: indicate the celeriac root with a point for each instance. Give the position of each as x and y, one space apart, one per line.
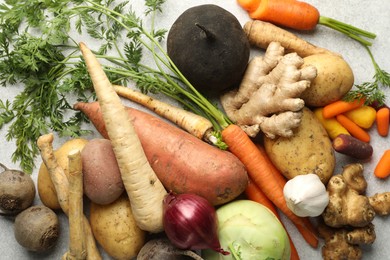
61 184
77 249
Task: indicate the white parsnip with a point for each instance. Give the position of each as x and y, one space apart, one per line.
145 191
195 124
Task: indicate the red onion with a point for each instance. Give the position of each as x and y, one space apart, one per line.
190 222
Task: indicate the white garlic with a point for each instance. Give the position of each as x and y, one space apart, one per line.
306 195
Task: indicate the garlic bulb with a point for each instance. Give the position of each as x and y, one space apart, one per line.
306 195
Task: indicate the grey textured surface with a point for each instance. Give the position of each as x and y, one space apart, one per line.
373 16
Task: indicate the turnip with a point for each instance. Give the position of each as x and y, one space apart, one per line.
17 191
36 228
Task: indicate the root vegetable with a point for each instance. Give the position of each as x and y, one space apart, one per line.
216 56
145 190
340 106
182 162
331 125
268 96
102 178
363 116
383 121
17 191
61 184
37 228
381 203
351 146
162 249
382 168
46 190
115 228
196 125
77 250
347 207
355 130
334 79
261 34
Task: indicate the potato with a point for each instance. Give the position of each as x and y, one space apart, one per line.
308 151
334 79
46 190
115 229
102 179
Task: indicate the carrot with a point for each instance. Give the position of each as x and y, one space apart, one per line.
145 191
355 130
292 14
258 169
340 106
382 168
331 125
182 162
382 121
300 15
352 146
254 193
249 5
261 34
193 123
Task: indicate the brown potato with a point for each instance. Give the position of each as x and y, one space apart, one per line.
46 190
102 179
115 229
334 79
308 151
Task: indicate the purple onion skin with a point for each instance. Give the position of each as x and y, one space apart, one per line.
190 222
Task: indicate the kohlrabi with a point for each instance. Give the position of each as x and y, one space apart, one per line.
248 230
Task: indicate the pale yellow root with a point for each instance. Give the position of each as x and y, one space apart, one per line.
145 190
261 34
77 249
194 124
61 184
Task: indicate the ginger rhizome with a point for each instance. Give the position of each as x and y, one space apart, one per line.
267 99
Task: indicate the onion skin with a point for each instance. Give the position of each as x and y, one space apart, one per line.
190 222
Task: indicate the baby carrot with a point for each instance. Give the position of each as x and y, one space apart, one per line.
340 106
331 125
382 121
353 128
382 169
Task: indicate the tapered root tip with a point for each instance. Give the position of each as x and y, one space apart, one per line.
44 139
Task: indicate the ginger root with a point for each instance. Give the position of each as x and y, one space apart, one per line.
347 207
267 99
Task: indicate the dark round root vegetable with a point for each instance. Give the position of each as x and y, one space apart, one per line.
208 45
37 228
17 191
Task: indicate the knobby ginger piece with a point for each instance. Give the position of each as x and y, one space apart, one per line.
267 99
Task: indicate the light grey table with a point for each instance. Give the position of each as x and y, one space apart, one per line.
373 16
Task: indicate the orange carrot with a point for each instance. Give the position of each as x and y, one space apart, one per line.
382 121
256 194
339 107
249 5
258 169
382 169
288 13
355 130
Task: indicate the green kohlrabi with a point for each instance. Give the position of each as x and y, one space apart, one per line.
250 231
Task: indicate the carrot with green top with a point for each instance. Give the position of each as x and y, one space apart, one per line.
382 169
340 106
145 191
382 121
353 128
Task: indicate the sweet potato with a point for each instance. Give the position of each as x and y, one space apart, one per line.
182 162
